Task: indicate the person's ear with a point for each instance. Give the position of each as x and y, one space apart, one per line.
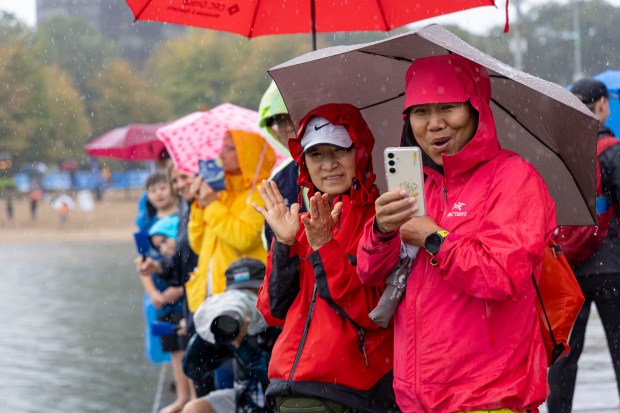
600 107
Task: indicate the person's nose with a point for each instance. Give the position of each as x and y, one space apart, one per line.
330 162
436 121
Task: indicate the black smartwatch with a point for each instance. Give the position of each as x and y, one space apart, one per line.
433 241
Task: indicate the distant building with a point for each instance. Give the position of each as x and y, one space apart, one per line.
114 20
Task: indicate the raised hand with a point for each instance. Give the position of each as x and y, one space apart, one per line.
321 220
284 222
202 192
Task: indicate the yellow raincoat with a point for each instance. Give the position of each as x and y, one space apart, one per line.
229 228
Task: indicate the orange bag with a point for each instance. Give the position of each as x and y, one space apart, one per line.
559 302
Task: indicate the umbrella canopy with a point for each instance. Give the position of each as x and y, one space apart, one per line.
135 142
251 18
199 135
540 120
62 199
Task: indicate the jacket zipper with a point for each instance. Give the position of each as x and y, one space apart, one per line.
418 308
417 317
303 337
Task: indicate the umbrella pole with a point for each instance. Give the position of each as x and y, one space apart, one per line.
313 15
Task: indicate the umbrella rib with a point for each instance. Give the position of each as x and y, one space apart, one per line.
507 112
401 59
137 16
383 101
385 23
254 19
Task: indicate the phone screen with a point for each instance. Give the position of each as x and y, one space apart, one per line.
212 173
143 242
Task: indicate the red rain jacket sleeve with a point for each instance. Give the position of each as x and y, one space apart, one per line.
377 255
498 260
339 285
281 284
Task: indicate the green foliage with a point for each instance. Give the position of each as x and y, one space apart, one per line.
65 83
76 47
121 95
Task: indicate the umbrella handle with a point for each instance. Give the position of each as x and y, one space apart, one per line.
258 168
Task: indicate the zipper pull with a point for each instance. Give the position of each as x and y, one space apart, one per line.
361 343
444 193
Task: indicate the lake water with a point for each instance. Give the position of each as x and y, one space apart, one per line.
71 337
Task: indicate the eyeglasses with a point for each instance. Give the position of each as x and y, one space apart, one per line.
227 149
280 120
318 156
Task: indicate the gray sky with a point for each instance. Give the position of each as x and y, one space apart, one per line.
478 20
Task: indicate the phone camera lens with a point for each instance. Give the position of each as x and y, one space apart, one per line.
390 155
392 163
392 170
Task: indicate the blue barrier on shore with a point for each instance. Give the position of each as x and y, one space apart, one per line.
78 180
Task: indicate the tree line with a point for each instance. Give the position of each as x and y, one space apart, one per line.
63 83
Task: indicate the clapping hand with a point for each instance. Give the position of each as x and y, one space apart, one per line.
284 222
321 221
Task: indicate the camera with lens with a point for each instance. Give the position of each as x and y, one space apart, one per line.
226 326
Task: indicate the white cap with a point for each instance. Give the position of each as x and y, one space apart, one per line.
320 132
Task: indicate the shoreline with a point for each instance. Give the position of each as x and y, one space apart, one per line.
111 220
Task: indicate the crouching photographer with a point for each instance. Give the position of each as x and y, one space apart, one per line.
228 325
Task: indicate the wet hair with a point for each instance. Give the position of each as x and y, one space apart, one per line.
155 178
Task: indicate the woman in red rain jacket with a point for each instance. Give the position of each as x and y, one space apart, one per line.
330 356
467 336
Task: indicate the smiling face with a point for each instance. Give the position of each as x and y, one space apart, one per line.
181 183
443 128
331 168
166 246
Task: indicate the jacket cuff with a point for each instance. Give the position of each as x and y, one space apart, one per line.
380 237
446 246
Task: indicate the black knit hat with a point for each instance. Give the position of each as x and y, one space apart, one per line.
245 273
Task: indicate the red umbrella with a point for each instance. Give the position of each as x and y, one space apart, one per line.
135 142
252 18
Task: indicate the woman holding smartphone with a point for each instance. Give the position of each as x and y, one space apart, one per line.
330 356
467 336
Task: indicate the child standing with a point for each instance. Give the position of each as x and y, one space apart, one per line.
163 235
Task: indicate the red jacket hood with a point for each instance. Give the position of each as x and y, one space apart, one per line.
453 78
363 190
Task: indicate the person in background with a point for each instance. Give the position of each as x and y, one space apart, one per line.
222 225
599 275
467 335
249 342
330 357
163 235
182 263
276 121
34 197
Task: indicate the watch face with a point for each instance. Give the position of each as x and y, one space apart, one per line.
433 243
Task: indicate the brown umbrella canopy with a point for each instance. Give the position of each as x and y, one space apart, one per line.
540 120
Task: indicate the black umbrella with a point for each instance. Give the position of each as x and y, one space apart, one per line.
540 120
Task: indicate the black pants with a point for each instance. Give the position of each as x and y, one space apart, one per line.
604 291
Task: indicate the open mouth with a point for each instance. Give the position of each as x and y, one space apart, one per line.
440 144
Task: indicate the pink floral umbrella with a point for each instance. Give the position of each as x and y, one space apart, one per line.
199 135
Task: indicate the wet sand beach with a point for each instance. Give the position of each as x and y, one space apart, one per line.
111 220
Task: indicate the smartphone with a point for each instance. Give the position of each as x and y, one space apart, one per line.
212 173
403 169
143 243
